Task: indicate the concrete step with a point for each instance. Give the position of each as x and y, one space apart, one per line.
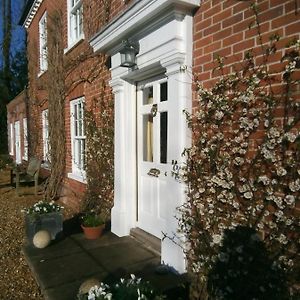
148 240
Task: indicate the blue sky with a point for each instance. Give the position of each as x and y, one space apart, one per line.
18 34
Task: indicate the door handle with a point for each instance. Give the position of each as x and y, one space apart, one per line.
154 172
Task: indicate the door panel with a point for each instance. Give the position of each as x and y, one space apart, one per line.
153 162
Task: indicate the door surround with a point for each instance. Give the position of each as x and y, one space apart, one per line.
163 29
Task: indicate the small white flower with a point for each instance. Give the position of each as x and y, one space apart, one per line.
217 238
281 171
283 239
266 124
219 115
290 137
289 200
264 179
295 185
248 195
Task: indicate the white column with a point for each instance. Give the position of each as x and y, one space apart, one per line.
123 212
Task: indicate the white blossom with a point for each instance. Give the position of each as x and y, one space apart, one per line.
289 199
281 171
248 195
295 185
216 239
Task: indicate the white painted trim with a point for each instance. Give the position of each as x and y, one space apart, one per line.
43 61
71 40
11 139
80 178
45 133
17 135
77 173
33 10
137 18
25 139
72 46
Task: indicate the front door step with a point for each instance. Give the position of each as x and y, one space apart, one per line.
150 241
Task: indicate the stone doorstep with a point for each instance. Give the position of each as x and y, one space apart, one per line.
148 240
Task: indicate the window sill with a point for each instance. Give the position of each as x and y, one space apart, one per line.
72 45
46 166
42 72
77 177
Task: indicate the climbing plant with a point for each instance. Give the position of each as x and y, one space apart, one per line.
243 180
56 106
99 122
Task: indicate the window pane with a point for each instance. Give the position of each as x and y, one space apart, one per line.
80 20
76 148
83 155
80 127
148 138
163 91
163 137
148 95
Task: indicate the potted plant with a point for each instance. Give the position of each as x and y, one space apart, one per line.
92 225
43 215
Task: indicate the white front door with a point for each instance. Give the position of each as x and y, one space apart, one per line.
153 161
18 142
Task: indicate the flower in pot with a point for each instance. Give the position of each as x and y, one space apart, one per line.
43 215
92 225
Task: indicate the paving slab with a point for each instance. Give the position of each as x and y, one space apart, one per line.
61 268
111 258
58 248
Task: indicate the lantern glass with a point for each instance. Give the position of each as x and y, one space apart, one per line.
128 54
128 58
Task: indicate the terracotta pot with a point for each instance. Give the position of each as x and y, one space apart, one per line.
93 233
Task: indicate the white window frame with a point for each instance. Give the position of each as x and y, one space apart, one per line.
78 140
75 22
25 139
43 43
11 139
45 131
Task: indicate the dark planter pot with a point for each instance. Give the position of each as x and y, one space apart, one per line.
92 233
52 222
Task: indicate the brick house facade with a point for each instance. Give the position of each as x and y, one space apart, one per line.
178 39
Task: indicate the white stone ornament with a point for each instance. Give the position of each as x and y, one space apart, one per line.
87 285
42 239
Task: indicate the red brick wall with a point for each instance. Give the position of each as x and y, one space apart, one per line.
222 28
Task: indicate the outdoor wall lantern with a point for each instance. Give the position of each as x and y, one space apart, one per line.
128 53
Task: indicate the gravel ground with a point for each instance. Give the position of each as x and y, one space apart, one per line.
16 281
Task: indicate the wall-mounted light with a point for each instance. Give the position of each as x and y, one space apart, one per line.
128 53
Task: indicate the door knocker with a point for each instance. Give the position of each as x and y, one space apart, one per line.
154 110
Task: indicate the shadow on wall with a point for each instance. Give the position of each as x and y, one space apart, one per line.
244 269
